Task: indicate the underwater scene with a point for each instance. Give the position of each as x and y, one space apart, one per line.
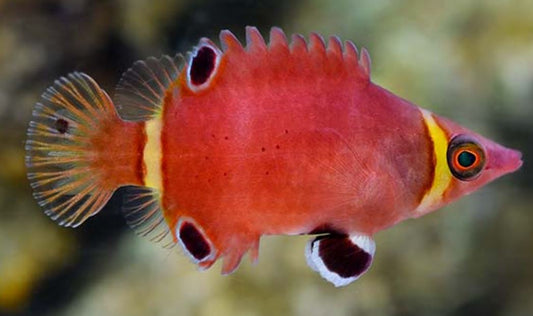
371 252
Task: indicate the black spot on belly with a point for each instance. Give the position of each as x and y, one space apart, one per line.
61 125
343 257
202 65
194 241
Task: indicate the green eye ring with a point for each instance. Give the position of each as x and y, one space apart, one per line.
466 158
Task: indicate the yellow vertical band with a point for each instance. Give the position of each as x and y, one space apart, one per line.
442 175
152 153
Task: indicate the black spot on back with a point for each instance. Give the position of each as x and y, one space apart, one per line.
194 241
341 256
61 125
202 65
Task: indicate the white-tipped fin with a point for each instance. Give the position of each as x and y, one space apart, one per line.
228 41
298 45
316 44
334 47
278 41
254 41
364 61
340 259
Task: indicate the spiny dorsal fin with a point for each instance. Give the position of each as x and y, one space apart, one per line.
334 47
298 44
254 41
143 213
140 92
278 41
364 61
315 47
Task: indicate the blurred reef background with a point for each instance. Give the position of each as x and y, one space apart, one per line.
469 60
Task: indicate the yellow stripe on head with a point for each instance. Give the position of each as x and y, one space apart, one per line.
442 175
152 154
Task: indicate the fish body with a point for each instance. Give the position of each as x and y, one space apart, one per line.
240 142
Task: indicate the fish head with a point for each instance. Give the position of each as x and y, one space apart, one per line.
464 162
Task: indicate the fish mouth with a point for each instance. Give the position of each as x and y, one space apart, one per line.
514 160
504 160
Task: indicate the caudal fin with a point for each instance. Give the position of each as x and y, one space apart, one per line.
69 150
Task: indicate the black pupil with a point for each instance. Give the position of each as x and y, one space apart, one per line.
61 125
466 159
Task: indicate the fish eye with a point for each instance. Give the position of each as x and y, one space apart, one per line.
466 157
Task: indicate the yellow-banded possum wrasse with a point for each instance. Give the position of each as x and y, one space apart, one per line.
233 142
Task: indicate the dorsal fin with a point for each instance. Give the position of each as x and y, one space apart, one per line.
254 41
278 41
228 41
140 92
364 61
315 47
298 44
143 213
334 47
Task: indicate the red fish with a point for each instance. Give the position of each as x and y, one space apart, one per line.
239 142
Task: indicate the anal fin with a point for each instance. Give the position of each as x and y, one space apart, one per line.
144 214
340 259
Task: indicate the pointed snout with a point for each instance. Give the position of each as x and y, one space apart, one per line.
504 160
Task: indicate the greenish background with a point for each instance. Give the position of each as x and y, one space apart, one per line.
470 60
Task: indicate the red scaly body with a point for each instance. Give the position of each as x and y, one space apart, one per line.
259 140
265 151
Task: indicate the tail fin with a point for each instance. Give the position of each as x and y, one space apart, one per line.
69 150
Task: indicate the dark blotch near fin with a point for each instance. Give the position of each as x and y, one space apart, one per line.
194 241
343 257
61 125
340 259
326 229
202 65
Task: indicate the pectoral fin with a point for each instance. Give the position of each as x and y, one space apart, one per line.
340 259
